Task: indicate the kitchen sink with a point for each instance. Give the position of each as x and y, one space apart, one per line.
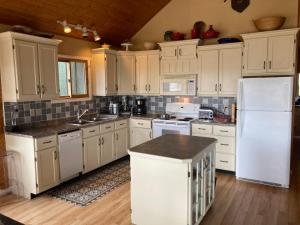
102 118
80 122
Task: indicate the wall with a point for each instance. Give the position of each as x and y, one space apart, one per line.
180 15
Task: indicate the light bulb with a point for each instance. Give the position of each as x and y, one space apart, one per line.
85 33
96 36
67 28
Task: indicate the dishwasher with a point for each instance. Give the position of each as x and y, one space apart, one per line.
70 154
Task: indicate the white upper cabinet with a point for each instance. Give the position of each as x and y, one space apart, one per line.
270 53
104 72
126 73
219 69
230 68
48 71
147 72
28 67
179 57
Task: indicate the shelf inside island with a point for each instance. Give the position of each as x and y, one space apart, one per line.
172 180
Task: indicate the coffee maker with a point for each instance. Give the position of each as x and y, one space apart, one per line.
141 107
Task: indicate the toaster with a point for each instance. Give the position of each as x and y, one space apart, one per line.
206 114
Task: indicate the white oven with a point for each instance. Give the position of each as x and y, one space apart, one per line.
178 85
170 127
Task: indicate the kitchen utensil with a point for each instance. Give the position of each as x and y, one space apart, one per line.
228 40
148 45
210 33
269 23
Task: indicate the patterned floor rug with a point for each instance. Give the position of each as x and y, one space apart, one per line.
87 188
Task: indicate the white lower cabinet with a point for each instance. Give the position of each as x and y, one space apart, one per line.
121 142
225 146
47 168
107 148
91 153
140 131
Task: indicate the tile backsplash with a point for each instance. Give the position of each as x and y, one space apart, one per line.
29 112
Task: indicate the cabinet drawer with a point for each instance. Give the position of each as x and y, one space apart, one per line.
225 162
201 129
107 127
140 123
224 131
121 124
225 145
90 131
45 142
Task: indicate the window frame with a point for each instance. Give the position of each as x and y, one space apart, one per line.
72 97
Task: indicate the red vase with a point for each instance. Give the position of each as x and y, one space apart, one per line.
194 33
210 33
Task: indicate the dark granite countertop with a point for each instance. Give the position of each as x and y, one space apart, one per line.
53 127
214 123
174 146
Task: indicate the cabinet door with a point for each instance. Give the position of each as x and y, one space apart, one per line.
107 148
91 153
99 74
141 74
281 55
121 142
111 74
187 51
168 66
255 56
27 70
230 70
208 62
126 74
47 169
153 74
139 136
169 52
48 71
187 66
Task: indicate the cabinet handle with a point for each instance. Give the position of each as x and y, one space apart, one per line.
92 131
47 142
146 87
224 144
180 51
121 124
216 87
38 89
149 87
223 161
117 136
102 141
108 127
201 128
141 124
224 131
99 141
175 52
264 65
220 87
117 88
270 64
43 89
150 135
55 155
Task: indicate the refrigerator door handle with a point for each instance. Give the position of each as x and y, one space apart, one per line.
240 94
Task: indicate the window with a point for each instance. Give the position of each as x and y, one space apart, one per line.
73 78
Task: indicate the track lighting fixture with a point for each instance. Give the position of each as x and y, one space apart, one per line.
85 31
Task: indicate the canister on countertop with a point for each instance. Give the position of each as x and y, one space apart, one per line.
233 112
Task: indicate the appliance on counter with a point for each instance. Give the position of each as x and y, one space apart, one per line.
177 119
124 105
114 108
264 123
140 107
70 154
178 85
206 114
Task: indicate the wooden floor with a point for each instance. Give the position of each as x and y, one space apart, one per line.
236 203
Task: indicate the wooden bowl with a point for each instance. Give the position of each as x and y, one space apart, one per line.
269 23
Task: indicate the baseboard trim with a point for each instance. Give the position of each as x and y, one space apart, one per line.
5 191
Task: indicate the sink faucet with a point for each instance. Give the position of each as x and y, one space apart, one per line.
82 114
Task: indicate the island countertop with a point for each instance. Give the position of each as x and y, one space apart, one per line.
174 146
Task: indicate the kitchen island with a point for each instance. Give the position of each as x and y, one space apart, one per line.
172 180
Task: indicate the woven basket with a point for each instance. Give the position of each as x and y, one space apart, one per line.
269 23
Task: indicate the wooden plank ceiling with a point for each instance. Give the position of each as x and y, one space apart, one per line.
115 20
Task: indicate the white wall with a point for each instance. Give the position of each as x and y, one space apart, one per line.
180 15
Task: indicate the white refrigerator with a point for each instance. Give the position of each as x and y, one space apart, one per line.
264 123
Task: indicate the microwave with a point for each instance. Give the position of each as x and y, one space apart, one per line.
178 85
